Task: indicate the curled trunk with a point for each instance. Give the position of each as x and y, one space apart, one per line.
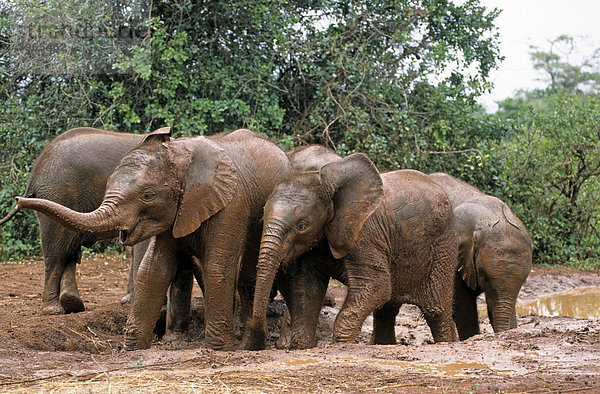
103 219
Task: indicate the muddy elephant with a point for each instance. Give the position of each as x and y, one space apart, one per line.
203 196
495 253
390 238
72 171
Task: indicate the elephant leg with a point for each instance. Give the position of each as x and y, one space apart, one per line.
465 310
384 325
304 294
59 245
155 274
69 294
220 266
246 296
369 288
179 299
137 254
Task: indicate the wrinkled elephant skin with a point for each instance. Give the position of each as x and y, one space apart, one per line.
72 171
495 253
203 196
389 237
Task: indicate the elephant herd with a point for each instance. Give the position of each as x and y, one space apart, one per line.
243 216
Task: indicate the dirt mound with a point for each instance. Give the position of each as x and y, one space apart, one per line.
83 351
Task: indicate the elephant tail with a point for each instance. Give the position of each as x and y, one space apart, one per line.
9 215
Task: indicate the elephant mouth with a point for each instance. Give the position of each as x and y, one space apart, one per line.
124 236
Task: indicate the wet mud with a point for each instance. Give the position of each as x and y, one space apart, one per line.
553 349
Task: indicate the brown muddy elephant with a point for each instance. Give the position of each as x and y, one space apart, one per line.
495 252
203 196
72 171
390 238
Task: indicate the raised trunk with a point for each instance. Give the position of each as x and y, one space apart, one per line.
103 219
269 260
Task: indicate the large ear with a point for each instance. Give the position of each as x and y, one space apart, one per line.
466 243
159 135
357 189
210 184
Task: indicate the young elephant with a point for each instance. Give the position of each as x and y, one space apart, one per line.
495 252
389 237
200 195
72 171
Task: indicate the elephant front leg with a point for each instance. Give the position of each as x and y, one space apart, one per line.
304 294
154 276
220 266
465 310
368 289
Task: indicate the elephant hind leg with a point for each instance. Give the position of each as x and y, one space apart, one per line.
384 326
69 297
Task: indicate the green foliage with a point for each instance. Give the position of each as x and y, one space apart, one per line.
551 177
394 79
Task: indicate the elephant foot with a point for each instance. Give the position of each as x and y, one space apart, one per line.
71 303
134 342
254 340
52 308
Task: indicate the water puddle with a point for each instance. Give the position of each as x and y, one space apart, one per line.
450 369
580 303
301 362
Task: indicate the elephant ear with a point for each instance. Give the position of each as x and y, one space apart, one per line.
466 244
210 184
157 136
356 188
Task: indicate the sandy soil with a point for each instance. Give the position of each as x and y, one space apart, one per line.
83 352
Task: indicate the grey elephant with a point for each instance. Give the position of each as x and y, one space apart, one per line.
495 253
72 171
390 238
203 196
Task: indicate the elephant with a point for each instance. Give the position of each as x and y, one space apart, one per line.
495 256
389 237
72 171
198 195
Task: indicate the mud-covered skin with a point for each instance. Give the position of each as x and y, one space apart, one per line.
495 253
72 171
203 196
389 237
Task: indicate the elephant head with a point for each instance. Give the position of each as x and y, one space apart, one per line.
161 185
334 203
495 252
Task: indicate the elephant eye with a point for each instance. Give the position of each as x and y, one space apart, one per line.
148 196
302 225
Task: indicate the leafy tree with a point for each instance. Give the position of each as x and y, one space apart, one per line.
551 162
394 79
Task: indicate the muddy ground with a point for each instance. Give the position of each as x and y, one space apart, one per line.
83 352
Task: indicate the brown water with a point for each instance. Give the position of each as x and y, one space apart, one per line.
580 303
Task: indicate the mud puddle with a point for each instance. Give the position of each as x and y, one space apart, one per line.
83 352
578 303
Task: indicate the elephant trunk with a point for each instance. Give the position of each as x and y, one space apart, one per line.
501 315
269 259
104 218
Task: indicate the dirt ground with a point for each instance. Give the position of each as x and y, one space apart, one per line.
83 352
